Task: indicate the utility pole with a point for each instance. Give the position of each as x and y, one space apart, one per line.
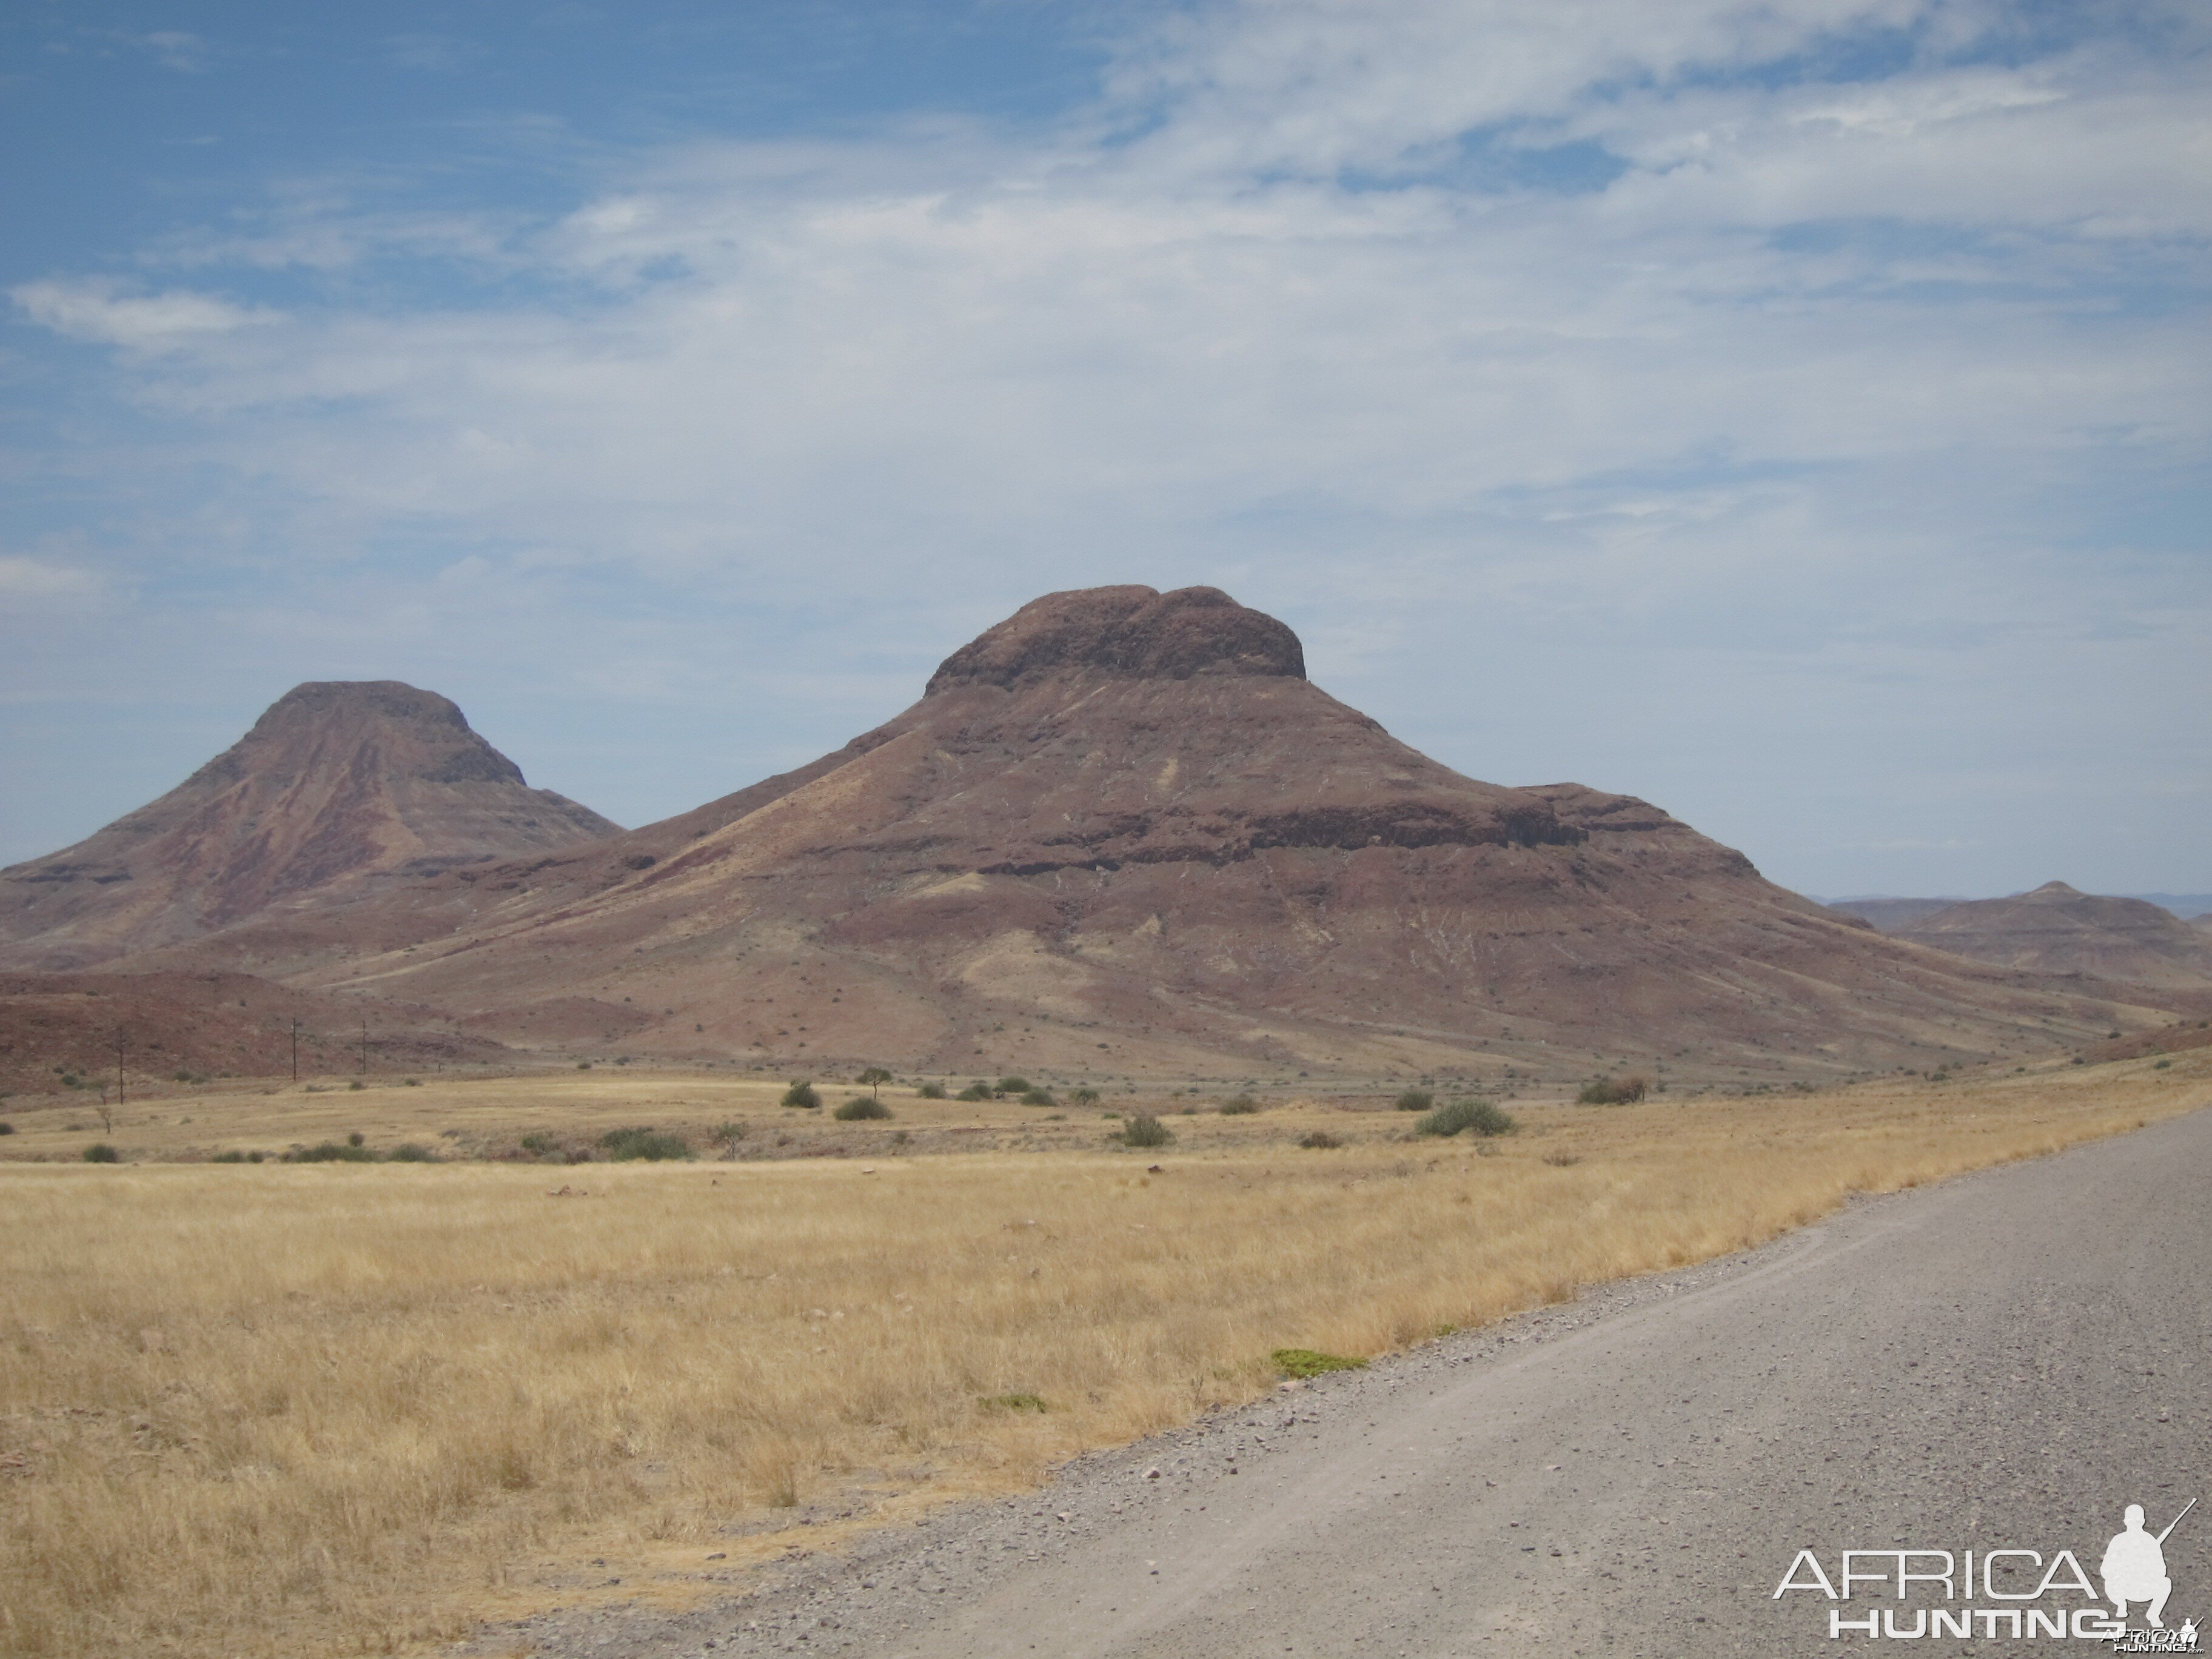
295 1048
118 1066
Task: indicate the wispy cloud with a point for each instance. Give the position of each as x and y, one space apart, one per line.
104 312
173 49
1794 386
27 582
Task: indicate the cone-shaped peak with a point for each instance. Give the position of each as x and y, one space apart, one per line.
1126 633
412 732
340 786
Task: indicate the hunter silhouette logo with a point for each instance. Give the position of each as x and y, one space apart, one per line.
2025 1593
2134 1568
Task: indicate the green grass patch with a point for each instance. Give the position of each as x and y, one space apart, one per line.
1308 1362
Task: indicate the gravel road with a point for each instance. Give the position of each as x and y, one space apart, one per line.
2003 1361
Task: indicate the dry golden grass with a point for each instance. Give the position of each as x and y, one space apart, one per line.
294 1409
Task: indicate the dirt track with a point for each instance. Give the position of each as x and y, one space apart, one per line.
2004 1361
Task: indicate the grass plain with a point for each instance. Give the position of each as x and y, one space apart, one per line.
291 1409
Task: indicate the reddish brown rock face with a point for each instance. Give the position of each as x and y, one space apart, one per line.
340 787
1124 633
1123 833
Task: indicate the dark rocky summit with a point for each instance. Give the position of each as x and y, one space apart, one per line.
1126 633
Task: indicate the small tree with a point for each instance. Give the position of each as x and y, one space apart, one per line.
875 1077
801 1093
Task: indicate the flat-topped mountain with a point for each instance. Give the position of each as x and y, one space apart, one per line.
340 787
1122 832
2058 929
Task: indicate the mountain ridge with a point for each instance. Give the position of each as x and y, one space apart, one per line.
1122 831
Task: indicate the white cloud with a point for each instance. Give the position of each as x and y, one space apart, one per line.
1294 308
98 310
26 581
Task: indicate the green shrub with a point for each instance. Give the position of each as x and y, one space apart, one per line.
931 1091
801 1093
6 1128
2160 1067
180 1077
1612 1092
330 1152
228 1158
539 1142
1416 1100
654 1144
356 1138
1306 1362
356 1084
978 1090
1321 1141
413 1082
1144 1130
408 1152
583 1065
1239 1106
1016 1402
100 1152
1084 1097
1479 1115
1038 1098
1011 1085
859 1106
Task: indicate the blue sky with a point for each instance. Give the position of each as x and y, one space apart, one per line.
1794 413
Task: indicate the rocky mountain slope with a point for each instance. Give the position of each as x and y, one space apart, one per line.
342 788
2057 928
1122 834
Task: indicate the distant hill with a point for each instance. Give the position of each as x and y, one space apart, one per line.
2057 928
2188 906
1888 915
1123 833
340 786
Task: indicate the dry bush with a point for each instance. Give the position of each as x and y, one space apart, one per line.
259 1410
